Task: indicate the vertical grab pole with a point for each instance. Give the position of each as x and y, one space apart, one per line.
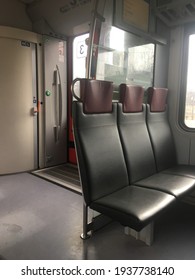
91 38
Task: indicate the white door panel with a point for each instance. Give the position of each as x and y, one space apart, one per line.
17 140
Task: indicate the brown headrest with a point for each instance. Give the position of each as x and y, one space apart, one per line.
157 99
131 97
96 96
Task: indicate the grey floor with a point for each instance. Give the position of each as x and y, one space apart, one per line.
43 221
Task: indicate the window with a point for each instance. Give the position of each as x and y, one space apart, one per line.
79 56
79 59
189 118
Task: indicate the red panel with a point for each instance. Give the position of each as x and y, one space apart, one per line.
72 156
71 137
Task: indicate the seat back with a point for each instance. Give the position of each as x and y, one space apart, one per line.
159 128
134 134
99 151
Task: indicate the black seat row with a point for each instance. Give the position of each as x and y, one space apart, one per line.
148 143
119 148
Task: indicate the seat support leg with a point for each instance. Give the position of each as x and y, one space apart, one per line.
85 234
146 234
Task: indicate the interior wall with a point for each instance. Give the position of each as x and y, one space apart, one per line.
61 18
167 73
184 140
162 57
13 14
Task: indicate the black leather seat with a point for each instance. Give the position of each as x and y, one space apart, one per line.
133 206
138 150
102 165
134 134
161 135
170 183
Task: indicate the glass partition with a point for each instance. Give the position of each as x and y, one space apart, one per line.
125 58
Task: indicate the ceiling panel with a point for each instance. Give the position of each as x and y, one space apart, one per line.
66 17
175 12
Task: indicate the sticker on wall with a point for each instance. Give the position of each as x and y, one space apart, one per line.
25 44
73 4
61 51
81 49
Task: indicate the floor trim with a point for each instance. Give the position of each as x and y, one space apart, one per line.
65 175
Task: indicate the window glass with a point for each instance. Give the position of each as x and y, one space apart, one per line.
79 59
79 56
190 86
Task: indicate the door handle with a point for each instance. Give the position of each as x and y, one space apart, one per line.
58 102
60 96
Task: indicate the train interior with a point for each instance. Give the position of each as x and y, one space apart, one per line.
47 48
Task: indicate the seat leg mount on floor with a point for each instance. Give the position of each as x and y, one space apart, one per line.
146 234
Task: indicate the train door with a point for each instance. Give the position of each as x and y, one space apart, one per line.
55 80
18 118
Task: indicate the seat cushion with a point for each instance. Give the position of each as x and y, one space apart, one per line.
133 206
96 96
131 98
182 170
169 183
157 98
